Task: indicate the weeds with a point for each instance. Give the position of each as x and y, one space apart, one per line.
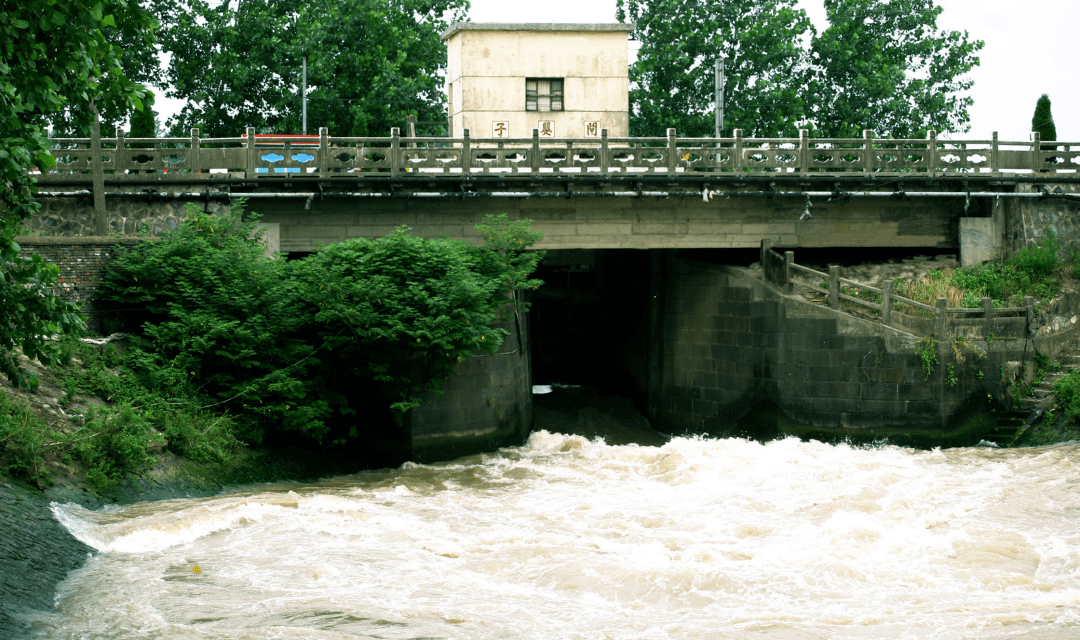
1030 272
116 440
926 349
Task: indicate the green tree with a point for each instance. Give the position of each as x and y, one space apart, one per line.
53 56
880 65
144 121
371 63
1043 120
672 81
886 66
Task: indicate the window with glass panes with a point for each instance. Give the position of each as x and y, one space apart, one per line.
543 94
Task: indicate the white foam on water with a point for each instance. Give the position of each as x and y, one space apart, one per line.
570 537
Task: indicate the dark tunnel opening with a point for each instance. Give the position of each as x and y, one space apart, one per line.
590 321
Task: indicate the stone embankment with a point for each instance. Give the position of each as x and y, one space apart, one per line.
36 553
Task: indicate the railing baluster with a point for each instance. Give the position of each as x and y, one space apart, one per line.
940 319
995 158
932 151
324 152
194 155
1036 151
834 286
737 159
535 154
789 259
868 150
251 175
672 152
466 152
395 151
886 303
605 158
120 154
804 150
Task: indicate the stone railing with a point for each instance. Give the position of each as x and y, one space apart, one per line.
255 156
940 321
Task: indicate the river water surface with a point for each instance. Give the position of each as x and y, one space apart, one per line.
570 538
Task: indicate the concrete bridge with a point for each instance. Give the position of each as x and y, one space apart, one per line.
585 193
699 345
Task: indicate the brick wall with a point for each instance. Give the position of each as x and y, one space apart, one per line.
82 262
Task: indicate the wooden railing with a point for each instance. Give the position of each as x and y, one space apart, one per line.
940 321
323 156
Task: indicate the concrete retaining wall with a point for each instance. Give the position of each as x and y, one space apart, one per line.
731 342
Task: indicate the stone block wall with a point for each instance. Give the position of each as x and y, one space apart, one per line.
74 216
1028 220
731 342
486 405
36 553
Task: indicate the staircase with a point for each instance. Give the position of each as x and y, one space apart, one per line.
1041 399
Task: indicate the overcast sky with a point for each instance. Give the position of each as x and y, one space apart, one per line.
1031 49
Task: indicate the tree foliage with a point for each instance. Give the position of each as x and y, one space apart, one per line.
54 55
880 65
672 81
371 63
887 67
144 121
1043 120
328 346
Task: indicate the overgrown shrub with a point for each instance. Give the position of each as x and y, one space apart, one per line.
1067 393
324 346
115 443
22 441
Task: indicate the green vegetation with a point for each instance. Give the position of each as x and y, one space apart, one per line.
110 441
1043 121
229 347
926 348
333 347
877 65
370 63
1032 271
52 54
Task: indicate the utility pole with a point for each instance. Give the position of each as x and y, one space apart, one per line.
719 96
303 90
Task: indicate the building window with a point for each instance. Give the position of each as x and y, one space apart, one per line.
543 94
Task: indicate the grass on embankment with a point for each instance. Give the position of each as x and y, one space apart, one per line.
108 441
1032 271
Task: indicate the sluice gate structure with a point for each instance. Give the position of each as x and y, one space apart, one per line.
626 222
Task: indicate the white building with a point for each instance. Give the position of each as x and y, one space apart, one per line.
564 80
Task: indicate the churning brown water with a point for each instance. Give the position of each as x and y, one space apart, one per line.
570 538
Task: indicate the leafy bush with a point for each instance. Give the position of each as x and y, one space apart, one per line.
1067 393
328 346
114 444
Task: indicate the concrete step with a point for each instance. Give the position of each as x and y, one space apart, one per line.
1030 404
